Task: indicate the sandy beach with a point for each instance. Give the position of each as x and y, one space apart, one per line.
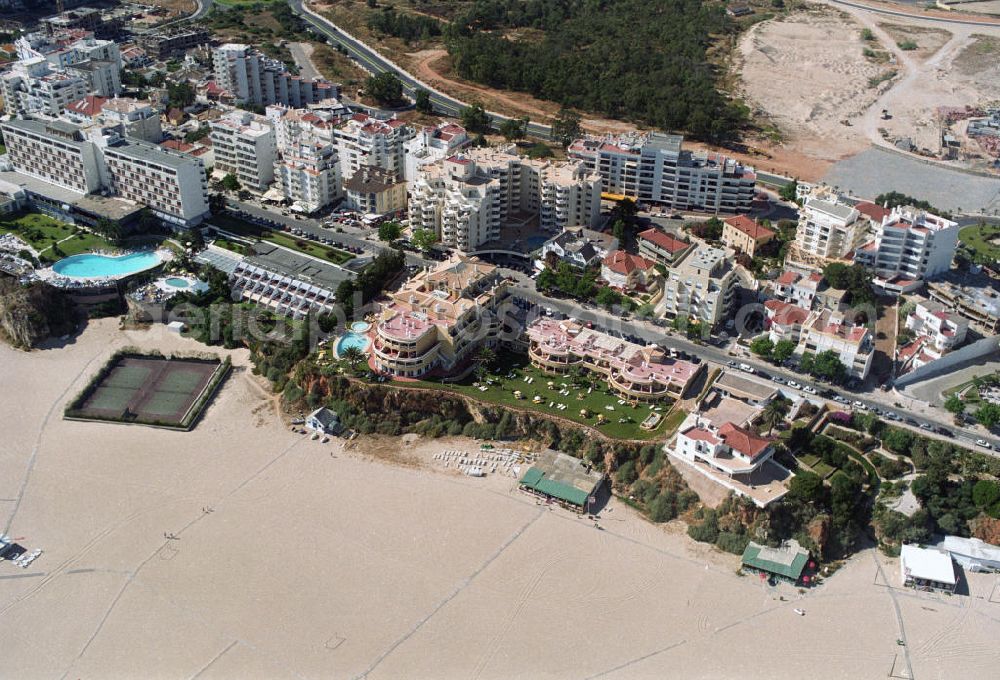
295 559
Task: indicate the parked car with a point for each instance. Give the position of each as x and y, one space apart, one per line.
840 400
794 385
747 368
809 388
778 379
982 442
926 426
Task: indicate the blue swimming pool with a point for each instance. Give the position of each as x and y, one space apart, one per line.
90 266
351 340
175 282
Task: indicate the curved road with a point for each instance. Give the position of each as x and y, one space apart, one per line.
373 62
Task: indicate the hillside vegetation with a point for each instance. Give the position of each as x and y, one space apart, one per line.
639 60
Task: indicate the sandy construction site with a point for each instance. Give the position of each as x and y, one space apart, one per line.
824 86
294 559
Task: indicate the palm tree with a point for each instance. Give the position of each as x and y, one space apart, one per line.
353 356
485 358
774 413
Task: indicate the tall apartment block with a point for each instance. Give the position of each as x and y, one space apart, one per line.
910 245
161 45
363 140
467 198
654 168
829 229
31 86
429 145
244 146
701 286
252 78
172 185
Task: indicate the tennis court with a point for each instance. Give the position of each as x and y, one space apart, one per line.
152 390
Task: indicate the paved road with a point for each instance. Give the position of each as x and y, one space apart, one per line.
350 236
373 62
299 55
651 333
916 15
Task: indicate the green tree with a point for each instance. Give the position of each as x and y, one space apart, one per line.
230 183
985 493
514 128
180 94
787 191
389 231
774 413
954 404
353 356
566 126
828 365
762 346
475 119
783 350
988 415
385 88
422 101
423 239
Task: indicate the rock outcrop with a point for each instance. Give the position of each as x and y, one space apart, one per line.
30 313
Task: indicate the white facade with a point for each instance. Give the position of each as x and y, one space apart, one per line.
309 174
33 87
945 330
252 78
431 144
173 185
465 199
910 245
138 118
829 229
54 152
825 330
654 168
244 145
363 140
700 286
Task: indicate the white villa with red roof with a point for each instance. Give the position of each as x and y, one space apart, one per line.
938 331
627 272
635 372
784 320
731 455
826 330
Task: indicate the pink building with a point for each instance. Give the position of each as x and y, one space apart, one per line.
636 372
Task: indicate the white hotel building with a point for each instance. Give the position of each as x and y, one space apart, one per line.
244 146
31 86
467 198
363 140
653 168
172 185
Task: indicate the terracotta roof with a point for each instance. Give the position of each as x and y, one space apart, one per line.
665 241
785 313
787 278
743 440
749 227
700 434
621 262
873 211
90 105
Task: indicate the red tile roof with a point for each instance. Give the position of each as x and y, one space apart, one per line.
873 211
621 262
785 313
665 241
90 105
787 278
749 227
745 441
700 434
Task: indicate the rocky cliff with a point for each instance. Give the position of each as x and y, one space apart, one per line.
31 313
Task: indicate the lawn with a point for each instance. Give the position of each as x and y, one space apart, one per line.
241 227
501 391
41 232
979 240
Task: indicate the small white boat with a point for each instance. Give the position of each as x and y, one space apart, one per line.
800 612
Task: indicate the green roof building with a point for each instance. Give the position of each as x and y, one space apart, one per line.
786 562
562 478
